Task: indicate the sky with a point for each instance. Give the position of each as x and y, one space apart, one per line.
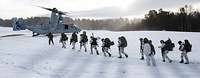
90 8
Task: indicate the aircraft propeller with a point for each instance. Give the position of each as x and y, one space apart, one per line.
54 10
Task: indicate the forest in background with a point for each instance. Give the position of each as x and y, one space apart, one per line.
186 19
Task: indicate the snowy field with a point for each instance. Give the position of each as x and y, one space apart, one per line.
24 56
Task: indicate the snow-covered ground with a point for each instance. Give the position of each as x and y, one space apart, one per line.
31 57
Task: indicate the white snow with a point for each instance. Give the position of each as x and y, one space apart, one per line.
31 57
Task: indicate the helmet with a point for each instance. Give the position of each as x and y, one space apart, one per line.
162 41
146 40
84 32
179 42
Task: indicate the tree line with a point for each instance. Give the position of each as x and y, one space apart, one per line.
186 19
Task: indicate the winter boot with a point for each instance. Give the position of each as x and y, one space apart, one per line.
170 61
181 61
97 53
187 60
163 60
187 63
109 54
120 57
142 58
126 55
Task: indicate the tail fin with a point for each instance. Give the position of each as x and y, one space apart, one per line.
18 24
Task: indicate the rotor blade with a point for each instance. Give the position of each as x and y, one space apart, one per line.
66 12
56 11
66 16
45 8
62 13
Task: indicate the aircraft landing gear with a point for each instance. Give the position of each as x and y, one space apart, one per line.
35 34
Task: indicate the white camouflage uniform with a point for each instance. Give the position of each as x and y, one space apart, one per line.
149 58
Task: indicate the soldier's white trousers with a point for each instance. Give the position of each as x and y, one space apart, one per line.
150 60
93 47
83 45
105 50
166 56
184 55
63 44
73 45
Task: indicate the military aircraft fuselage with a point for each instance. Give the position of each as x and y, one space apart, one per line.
55 25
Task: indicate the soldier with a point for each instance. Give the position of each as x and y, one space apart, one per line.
83 41
50 36
122 43
165 48
162 49
149 52
106 43
184 48
63 39
153 52
93 44
73 40
141 48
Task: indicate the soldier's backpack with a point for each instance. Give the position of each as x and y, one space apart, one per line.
169 45
112 43
123 41
153 52
73 38
65 38
94 41
108 42
84 38
188 47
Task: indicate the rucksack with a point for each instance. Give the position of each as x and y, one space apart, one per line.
123 41
172 45
169 45
74 38
64 37
108 42
188 47
112 43
84 38
152 49
94 41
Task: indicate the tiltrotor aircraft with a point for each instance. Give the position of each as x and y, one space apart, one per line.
55 25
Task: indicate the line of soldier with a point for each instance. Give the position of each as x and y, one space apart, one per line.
147 49
106 43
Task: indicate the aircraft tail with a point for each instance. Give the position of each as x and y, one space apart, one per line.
18 24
